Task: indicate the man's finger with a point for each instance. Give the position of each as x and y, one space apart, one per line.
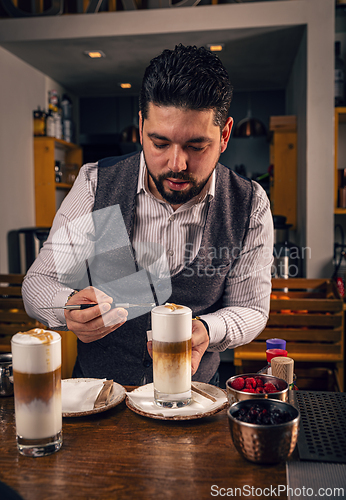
90 294
200 342
196 356
118 315
86 315
83 320
87 337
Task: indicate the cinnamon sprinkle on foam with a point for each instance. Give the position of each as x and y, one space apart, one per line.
43 335
173 307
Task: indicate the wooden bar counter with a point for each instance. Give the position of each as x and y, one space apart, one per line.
118 454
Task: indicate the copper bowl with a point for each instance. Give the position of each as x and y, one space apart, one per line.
264 444
234 395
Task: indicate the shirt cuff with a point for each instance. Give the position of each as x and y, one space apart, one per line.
60 300
217 329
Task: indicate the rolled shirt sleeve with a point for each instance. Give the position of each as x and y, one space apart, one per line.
43 285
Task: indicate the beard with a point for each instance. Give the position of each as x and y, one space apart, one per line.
179 197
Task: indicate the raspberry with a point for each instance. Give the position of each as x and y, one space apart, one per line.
250 383
259 381
248 389
259 390
238 384
269 388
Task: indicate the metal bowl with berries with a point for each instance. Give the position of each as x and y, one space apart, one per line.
255 386
264 430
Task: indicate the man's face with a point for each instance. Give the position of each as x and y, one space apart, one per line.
181 149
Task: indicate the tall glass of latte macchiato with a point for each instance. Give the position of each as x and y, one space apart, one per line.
36 360
171 335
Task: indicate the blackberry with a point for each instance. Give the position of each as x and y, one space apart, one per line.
262 416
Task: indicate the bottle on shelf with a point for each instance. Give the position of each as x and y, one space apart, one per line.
56 113
67 126
57 123
50 124
53 98
58 172
339 76
39 122
287 255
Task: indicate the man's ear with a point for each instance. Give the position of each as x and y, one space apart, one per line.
140 127
226 133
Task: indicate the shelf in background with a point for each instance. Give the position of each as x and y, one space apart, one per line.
57 142
64 185
48 193
341 111
339 132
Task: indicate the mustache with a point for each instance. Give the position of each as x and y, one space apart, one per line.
184 176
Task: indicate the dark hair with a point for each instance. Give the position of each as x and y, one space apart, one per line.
187 77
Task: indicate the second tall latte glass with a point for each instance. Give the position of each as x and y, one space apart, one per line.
171 334
37 391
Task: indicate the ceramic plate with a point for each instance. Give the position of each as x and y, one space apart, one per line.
141 401
119 394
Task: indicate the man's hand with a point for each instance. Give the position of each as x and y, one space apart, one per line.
200 342
96 322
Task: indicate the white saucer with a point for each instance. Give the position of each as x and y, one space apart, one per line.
141 401
118 395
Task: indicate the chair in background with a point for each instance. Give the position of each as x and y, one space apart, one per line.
13 319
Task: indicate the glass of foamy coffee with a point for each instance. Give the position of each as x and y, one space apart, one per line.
171 341
36 361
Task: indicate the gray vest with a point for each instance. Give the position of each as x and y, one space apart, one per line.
122 355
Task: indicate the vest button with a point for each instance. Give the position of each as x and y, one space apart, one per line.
147 363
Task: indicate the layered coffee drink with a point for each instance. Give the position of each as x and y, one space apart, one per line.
36 358
171 344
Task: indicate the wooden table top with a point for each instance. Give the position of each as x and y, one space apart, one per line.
118 454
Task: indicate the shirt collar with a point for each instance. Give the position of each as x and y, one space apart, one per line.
142 185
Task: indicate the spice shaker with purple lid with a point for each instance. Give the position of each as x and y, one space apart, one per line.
276 344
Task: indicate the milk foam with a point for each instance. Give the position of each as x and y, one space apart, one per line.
171 324
36 336
36 351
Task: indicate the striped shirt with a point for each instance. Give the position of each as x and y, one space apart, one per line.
246 296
